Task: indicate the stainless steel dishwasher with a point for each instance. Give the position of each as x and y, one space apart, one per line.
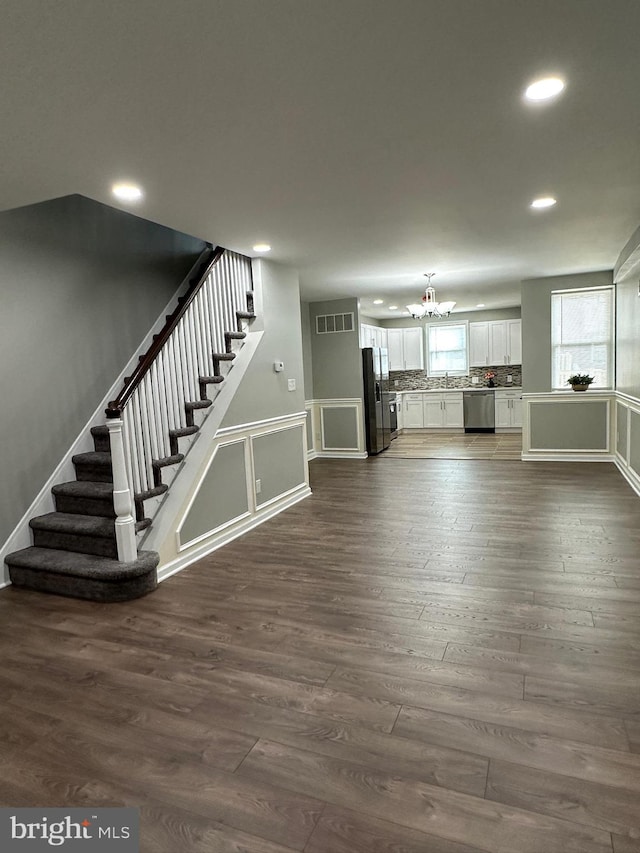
479 411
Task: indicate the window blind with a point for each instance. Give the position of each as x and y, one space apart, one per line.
582 336
447 349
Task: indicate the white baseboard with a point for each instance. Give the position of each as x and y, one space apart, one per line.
311 454
233 531
346 454
567 457
629 474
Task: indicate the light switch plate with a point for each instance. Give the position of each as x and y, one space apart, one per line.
291 384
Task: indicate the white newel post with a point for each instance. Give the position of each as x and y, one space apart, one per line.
122 496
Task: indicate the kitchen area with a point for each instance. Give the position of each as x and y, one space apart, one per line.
472 412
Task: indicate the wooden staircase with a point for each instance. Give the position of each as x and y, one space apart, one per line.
75 548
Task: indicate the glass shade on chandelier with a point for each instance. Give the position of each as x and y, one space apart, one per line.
429 306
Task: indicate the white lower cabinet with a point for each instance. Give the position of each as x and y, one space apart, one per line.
412 417
432 411
453 410
508 410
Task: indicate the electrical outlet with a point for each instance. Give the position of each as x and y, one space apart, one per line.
291 384
258 486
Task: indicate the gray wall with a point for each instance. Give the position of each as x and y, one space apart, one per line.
263 392
340 428
458 317
569 425
81 285
536 323
337 363
370 321
279 462
307 351
222 495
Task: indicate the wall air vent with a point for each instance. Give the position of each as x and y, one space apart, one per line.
327 324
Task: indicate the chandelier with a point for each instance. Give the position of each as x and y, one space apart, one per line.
429 307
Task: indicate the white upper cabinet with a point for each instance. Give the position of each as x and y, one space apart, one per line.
413 348
396 351
478 344
514 341
372 336
495 342
406 348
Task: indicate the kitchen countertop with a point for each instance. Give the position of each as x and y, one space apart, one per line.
451 390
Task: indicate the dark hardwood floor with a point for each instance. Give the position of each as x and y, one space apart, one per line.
426 656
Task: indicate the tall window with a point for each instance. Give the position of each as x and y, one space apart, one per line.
582 336
447 349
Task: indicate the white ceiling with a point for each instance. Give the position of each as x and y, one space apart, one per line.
369 141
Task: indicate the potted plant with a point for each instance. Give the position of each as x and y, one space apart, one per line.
580 381
490 376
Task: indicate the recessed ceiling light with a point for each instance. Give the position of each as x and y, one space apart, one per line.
127 192
542 90
544 201
262 247
378 301
480 305
393 307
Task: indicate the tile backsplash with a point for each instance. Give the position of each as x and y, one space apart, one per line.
417 380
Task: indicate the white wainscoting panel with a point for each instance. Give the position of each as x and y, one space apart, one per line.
348 419
628 463
572 406
184 551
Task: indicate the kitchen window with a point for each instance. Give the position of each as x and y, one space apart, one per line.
582 336
447 351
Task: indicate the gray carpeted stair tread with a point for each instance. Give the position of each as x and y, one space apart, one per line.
80 525
151 493
183 431
223 356
245 315
81 565
101 438
92 578
235 336
208 380
168 460
197 404
92 457
84 489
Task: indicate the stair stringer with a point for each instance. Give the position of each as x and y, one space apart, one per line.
187 473
44 503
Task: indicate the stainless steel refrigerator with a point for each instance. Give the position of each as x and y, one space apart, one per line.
377 415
